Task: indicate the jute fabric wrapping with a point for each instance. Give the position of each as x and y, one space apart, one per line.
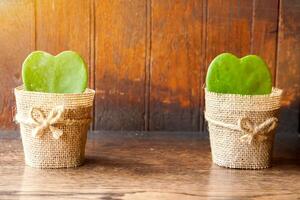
53 127
242 128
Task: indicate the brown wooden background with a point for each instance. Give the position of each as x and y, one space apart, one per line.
148 58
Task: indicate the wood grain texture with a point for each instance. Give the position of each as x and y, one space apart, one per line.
264 32
242 27
16 41
229 25
288 63
141 166
177 36
120 64
63 25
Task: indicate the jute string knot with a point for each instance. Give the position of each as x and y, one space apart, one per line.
40 122
256 131
253 131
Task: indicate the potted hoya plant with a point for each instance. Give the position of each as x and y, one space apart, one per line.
54 109
242 111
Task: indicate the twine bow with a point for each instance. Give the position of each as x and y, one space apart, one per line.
256 131
40 122
252 130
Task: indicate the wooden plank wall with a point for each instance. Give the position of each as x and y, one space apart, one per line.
120 53
17 39
148 58
288 62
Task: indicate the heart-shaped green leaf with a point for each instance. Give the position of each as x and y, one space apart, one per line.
249 75
63 73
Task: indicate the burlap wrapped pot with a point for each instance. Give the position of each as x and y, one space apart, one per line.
242 128
53 127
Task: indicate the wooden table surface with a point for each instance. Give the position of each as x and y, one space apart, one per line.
139 165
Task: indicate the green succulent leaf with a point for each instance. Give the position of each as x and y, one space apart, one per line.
63 73
229 74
